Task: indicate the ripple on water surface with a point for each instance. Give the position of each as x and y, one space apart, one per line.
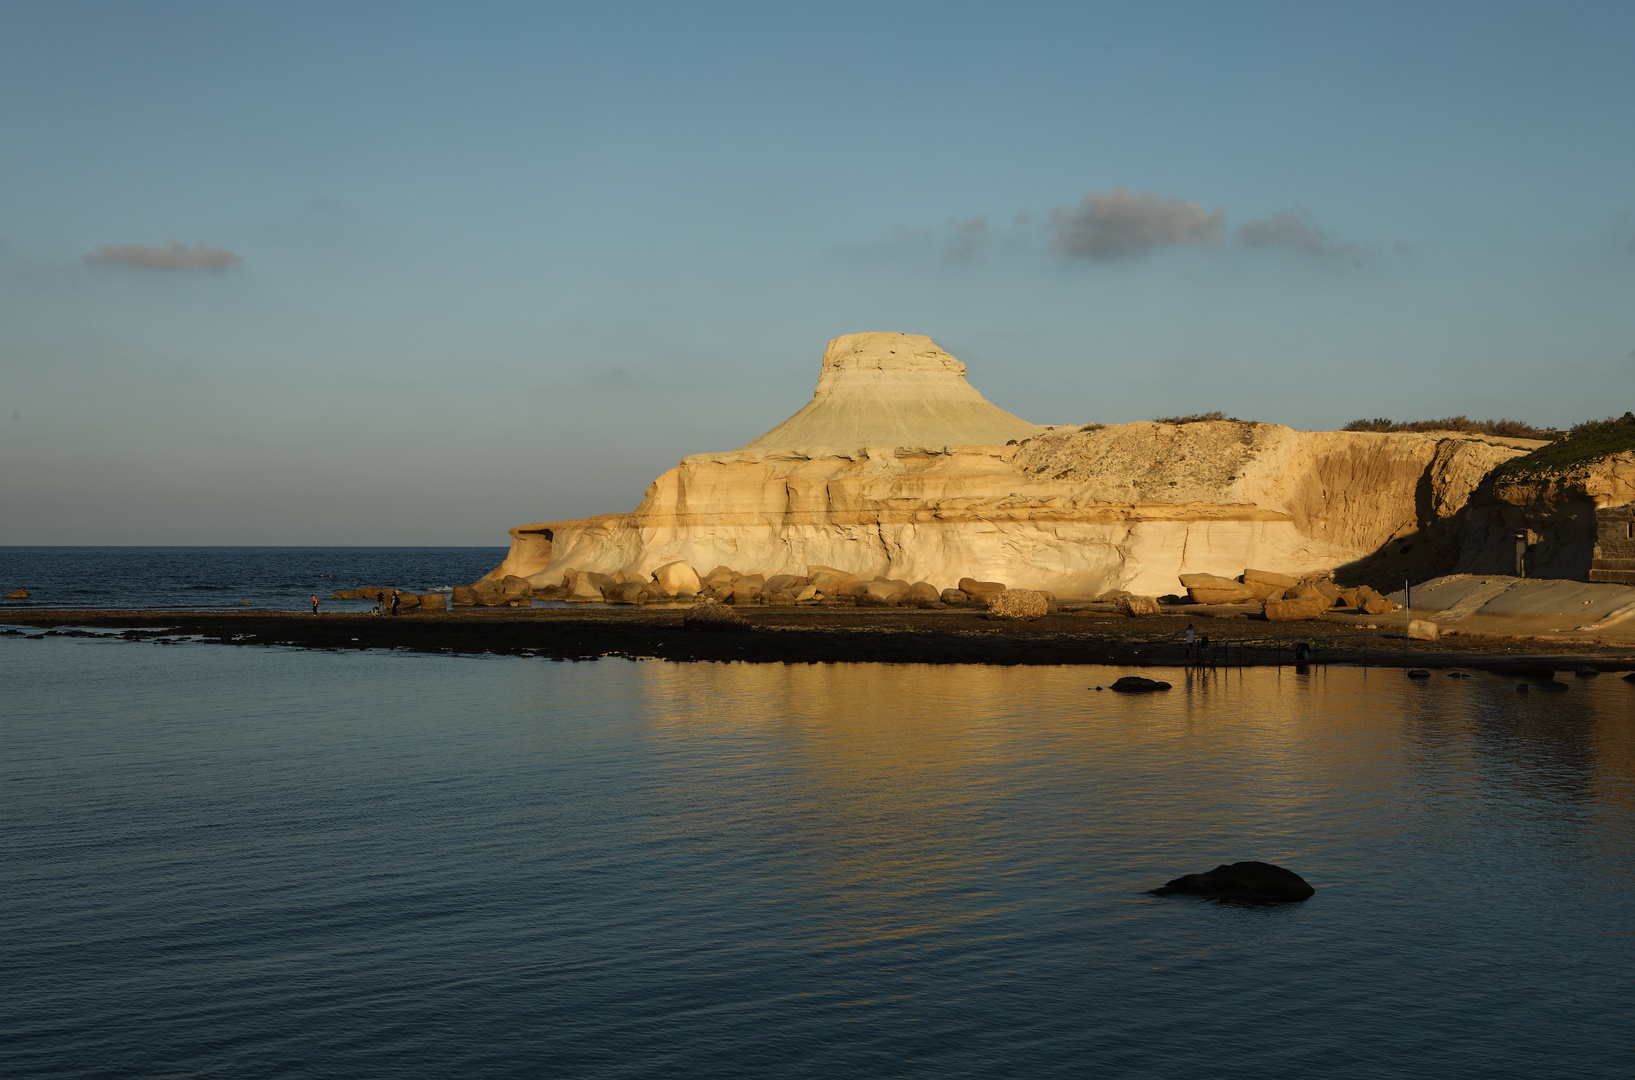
310 864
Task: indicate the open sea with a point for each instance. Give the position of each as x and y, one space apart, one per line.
259 861
201 578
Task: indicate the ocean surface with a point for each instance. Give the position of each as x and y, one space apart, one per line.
200 578
230 861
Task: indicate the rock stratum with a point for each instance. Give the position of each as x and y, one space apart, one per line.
899 468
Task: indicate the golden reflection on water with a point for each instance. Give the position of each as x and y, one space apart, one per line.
904 795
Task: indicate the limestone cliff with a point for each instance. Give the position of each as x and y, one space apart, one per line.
898 482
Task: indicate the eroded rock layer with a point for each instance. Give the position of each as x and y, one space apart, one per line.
1073 511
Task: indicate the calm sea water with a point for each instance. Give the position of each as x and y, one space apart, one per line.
197 578
226 861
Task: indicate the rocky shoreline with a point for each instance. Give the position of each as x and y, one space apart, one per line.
832 635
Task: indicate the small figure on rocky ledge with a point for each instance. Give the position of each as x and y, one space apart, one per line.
315 605
394 603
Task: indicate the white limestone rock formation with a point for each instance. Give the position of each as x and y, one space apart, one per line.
899 468
896 390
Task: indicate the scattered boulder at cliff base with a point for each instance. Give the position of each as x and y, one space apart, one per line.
1136 684
433 602
1018 605
980 592
1136 606
1258 882
464 596
674 578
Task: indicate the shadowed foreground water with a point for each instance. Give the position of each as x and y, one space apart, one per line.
226 861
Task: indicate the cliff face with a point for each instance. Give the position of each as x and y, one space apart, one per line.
1075 511
1556 509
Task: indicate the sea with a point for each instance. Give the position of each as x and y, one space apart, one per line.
207 578
263 861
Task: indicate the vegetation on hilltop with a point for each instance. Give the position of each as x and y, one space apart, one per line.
1506 429
1589 441
1194 418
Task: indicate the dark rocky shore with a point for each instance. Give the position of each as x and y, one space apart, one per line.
817 635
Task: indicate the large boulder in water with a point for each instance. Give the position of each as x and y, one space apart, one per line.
1135 684
1251 880
433 601
17 594
464 596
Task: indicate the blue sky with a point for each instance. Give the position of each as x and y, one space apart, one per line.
398 273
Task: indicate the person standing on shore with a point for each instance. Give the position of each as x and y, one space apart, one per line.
394 601
315 604
1191 638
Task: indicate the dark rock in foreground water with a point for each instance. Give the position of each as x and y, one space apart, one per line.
1135 684
1418 673
1241 881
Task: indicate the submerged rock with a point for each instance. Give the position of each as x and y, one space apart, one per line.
1135 684
1260 881
1418 673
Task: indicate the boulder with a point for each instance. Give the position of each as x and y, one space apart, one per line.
1260 590
1019 605
923 592
1295 610
1236 595
808 593
1418 673
713 616
874 599
433 601
721 575
511 585
17 594
840 577
1351 598
1258 881
1135 684
1211 581
781 596
582 589
886 588
954 597
720 595
464 596
405 599
784 582
1328 589
677 577
1422 630
1377 606
1301 592
1277 581
980 592
1136 606
852 589
625 592
747 589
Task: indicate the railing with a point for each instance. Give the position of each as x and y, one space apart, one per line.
1220 654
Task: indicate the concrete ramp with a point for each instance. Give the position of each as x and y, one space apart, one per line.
1493 603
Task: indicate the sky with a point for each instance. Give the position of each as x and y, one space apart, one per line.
400 273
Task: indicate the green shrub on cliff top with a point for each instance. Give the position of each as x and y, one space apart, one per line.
1586 442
